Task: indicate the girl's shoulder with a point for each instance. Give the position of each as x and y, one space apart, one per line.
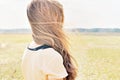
51 53
43 51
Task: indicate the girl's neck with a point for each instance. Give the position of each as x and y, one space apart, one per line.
34 45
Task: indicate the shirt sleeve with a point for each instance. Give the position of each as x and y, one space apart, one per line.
54 67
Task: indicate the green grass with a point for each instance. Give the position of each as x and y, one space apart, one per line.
97 56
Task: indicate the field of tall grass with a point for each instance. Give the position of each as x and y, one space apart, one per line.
97 55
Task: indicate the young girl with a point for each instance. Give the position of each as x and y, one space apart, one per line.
47 57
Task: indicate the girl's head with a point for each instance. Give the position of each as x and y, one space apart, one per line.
46 19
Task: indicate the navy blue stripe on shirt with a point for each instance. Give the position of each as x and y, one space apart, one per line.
39 47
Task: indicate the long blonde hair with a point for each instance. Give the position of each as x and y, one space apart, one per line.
46 18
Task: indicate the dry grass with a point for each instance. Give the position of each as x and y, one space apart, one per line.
97 56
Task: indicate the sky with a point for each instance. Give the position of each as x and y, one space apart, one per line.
78 13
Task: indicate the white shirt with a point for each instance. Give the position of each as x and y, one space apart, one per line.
42 64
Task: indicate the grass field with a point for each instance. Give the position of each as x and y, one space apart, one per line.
97 56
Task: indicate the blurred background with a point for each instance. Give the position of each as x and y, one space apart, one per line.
78 13
93 29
